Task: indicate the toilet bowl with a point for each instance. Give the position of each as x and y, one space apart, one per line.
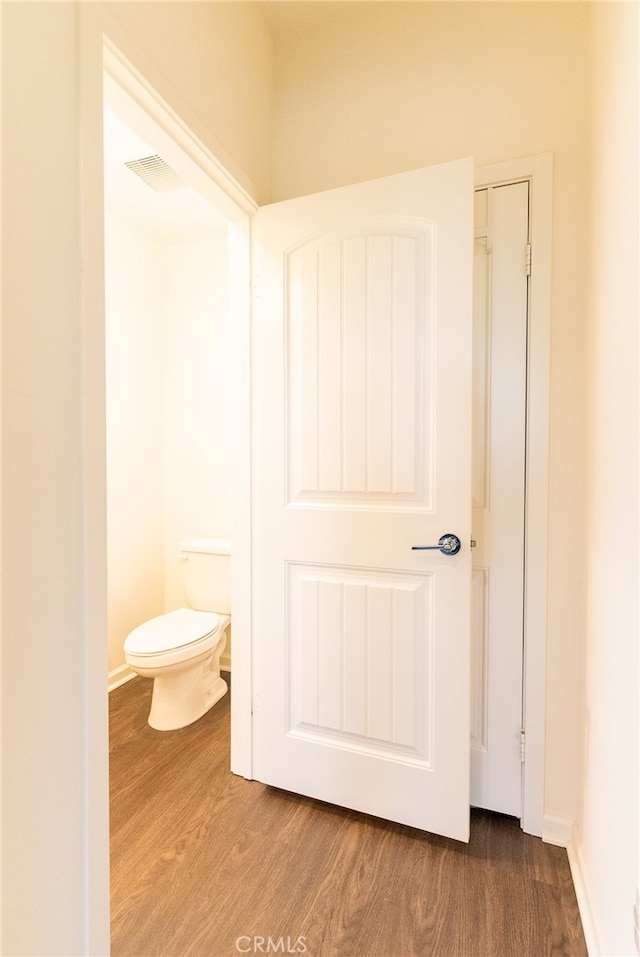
181 650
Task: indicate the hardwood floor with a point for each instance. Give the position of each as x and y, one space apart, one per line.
206 864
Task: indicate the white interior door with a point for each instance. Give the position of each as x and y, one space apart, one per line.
498 471
362 450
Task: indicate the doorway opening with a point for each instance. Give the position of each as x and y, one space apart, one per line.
177 368
168 380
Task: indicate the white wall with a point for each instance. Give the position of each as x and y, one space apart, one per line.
197 414
608 828
404 85
54 643
169 435
135 434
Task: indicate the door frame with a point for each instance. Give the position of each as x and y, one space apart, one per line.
538 171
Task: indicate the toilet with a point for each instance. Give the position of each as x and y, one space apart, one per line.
181 650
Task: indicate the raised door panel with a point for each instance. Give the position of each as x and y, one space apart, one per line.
360 649
359 352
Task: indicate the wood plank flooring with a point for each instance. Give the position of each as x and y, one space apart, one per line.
206 864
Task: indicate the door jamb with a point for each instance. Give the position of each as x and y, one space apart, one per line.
538 170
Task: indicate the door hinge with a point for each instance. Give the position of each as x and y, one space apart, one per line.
522 745
527 260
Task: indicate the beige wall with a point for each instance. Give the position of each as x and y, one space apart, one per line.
401 85
608 828
43 754
405 85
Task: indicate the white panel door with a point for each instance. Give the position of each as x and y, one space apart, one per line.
362 449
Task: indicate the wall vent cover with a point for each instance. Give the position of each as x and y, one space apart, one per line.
156 173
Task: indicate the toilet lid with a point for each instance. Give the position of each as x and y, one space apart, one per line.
173 630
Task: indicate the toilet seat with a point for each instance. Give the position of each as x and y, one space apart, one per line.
178 635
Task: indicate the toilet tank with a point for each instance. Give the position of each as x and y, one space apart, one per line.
207 573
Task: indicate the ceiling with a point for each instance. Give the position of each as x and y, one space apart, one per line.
177 215
298 15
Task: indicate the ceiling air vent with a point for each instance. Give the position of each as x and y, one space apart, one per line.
156 173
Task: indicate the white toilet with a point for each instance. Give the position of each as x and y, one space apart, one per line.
181 650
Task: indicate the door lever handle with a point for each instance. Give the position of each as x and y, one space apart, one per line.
447 544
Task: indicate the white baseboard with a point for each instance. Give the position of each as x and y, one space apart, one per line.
119 675
593 933
557 830
560 831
